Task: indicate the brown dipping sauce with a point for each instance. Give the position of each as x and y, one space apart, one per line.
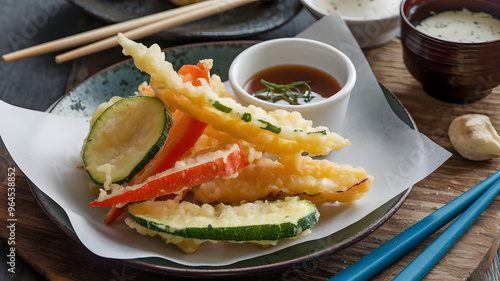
321 84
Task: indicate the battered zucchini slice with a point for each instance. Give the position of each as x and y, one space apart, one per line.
124 138
254 221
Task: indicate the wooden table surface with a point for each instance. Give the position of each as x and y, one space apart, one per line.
43 251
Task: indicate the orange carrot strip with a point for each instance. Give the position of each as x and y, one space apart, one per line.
114 213
193 73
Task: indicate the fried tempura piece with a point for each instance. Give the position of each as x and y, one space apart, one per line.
319 181
187 245
277 132
213 140
218 87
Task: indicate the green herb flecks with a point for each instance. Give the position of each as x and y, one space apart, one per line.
247 117
221 107
270 127
323 132
290 93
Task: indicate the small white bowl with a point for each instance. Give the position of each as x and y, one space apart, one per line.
329 112
372 22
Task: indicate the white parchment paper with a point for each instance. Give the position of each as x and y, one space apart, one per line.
46 148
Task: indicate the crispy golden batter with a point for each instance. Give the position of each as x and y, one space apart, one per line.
319 181
278 132
291 174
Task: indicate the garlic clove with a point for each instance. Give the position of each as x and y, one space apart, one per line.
474 137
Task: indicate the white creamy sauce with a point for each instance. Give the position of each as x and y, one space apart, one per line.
365 9
462 26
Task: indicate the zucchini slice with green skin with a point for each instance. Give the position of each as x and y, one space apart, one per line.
124 138
254 221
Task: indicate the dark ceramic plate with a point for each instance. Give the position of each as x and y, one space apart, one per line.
243 21
122 79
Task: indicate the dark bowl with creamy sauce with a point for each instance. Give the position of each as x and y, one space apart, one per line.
451 71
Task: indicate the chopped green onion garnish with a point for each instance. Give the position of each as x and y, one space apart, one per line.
247 117
323 132
222 107
290 93
270 127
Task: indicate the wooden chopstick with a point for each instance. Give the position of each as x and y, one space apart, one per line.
100 33
216 6
392 250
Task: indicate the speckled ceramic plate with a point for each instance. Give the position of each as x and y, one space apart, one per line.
243 21
122 79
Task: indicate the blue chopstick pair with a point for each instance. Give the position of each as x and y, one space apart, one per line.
471 203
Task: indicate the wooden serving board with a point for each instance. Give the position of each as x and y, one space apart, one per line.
58 257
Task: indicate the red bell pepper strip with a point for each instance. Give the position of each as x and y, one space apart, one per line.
175 180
